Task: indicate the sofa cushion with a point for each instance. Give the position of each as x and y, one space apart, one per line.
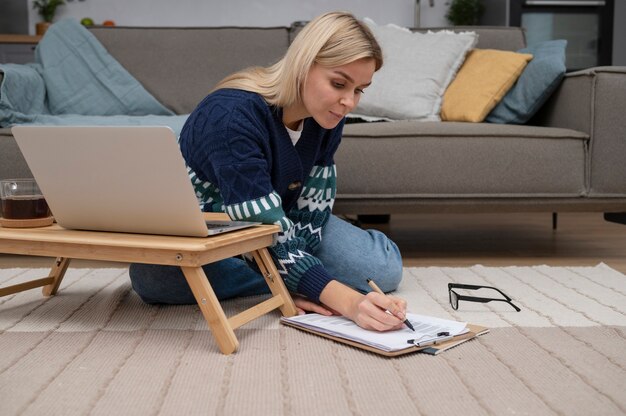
538 81
469 160
417 70
179 66
485 77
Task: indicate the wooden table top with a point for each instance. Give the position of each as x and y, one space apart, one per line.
56 241
57 234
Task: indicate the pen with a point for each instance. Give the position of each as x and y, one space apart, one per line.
377 290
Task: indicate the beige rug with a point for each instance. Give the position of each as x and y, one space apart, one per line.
96 349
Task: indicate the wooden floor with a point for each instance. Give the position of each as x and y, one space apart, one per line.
581 239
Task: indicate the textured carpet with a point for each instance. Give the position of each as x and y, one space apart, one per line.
96 349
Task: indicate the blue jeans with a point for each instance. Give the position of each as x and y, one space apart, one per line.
351 255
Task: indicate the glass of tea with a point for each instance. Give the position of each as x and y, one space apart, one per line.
22 199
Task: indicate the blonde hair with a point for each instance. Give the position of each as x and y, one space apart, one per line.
332 39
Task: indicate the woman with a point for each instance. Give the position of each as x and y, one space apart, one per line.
260 147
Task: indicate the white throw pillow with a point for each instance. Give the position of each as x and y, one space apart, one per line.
416 72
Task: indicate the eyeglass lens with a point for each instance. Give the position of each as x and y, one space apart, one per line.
454 300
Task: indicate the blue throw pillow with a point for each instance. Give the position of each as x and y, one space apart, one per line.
540 78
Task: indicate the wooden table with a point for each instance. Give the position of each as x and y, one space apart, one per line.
190 253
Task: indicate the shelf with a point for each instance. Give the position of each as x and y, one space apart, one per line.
13 38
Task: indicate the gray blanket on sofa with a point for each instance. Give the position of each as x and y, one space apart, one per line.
74 80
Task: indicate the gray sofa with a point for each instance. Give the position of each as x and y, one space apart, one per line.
570 157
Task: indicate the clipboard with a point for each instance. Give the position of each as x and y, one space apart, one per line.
474 331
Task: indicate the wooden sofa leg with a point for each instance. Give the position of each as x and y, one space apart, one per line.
555 219
617 217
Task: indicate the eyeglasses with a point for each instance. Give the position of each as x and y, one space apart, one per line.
455 297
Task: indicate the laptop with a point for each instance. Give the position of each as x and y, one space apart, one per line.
128 179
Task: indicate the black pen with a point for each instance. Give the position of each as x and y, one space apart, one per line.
377 290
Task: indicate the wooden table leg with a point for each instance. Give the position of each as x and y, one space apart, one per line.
56 273
211 309
274 281
49 284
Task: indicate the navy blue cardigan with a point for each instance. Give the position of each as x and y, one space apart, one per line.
241 161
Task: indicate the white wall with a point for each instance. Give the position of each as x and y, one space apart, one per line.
229 12
433 13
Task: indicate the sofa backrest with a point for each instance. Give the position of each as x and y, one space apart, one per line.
490 37
179 66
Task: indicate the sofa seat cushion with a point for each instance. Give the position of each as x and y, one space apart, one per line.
451 159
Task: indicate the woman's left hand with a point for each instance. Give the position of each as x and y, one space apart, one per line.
303 306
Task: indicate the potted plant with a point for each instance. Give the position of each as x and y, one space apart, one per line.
47 10
465 12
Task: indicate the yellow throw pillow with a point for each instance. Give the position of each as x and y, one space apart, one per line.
483 80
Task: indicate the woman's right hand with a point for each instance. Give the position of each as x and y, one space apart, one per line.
367 311
370 312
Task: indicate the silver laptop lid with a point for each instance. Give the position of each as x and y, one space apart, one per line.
113 178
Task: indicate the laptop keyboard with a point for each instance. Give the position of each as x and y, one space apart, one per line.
212 226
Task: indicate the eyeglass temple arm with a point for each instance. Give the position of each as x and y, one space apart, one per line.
475 287
485 300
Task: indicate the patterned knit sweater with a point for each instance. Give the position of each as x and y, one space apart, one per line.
241 161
